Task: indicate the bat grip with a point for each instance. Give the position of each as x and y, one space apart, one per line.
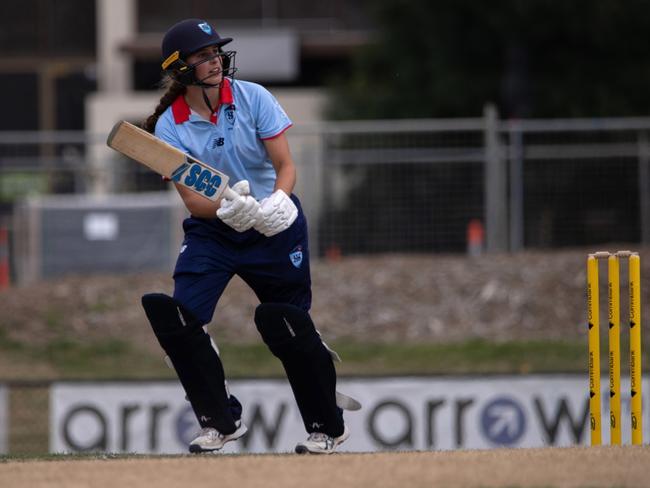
229 194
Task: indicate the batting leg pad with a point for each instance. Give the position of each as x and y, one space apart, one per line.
290 334
196 362
286 329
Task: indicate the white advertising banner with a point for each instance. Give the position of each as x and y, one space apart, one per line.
404 413
4 419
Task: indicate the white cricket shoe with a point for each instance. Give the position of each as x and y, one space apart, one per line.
319 443
210 439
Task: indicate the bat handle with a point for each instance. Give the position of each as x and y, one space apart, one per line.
229 194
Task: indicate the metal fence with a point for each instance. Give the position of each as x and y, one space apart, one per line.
419 185
408 185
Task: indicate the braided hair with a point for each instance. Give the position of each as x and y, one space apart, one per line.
174 90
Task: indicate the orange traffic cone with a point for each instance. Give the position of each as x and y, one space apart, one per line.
333 253
475 237
4 258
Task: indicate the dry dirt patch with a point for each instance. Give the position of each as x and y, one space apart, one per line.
387 298
553 467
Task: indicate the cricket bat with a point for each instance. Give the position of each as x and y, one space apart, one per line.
168 161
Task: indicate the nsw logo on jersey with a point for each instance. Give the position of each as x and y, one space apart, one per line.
197 177
296 256
230 114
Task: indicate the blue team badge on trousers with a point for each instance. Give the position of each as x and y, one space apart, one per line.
296 256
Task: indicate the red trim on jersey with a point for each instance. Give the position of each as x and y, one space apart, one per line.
276 135
225 94
181 110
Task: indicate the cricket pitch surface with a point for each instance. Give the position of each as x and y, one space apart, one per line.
606 466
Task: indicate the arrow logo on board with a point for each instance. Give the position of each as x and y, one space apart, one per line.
505 422
591 326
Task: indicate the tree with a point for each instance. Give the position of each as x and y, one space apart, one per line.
534 58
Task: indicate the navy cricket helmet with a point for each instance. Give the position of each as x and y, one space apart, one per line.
187 37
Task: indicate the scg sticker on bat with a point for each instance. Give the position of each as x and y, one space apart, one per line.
197 177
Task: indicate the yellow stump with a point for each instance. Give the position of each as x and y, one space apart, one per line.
614 314
593 318
635 349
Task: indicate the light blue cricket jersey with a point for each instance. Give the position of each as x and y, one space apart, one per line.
233 141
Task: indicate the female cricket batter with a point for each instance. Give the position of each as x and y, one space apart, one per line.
238 128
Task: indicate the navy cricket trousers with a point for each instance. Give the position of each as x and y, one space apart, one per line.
276 268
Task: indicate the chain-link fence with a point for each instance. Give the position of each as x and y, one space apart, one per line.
403 186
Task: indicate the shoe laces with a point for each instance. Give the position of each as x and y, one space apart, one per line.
318 437
211 433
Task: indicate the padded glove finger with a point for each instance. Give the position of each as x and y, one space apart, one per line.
279 213
242 187
229 208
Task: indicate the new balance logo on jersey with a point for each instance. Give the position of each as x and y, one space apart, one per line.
217 142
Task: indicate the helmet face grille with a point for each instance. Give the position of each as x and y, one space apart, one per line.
185 73
228 60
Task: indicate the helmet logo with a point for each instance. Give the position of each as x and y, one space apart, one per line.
205 27
171 59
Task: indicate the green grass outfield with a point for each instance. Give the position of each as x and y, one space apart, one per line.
121 360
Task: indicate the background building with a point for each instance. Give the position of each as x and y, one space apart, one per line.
57 53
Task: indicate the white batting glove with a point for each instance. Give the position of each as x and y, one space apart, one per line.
243 212
279 212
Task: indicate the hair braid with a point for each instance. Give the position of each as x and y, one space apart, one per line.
173 91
